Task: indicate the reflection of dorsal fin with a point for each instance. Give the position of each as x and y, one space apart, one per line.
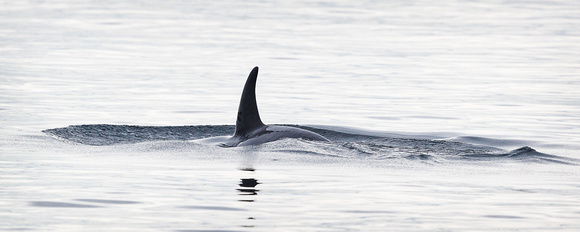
248 116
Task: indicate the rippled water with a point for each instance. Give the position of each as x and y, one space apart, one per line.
455 115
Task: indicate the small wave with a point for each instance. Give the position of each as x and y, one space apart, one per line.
55 204
490 141
526 154
419 157
213 208
103 201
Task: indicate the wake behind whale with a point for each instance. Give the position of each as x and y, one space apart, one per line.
344 144
249 130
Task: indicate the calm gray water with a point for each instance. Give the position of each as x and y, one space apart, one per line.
447 116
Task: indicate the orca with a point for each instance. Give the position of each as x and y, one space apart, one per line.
249 127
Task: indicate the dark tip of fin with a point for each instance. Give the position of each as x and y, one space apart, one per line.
248 117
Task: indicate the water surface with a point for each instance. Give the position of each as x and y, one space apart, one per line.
455 115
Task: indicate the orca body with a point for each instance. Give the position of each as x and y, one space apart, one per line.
249 127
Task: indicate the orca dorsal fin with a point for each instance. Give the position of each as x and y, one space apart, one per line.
248 117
